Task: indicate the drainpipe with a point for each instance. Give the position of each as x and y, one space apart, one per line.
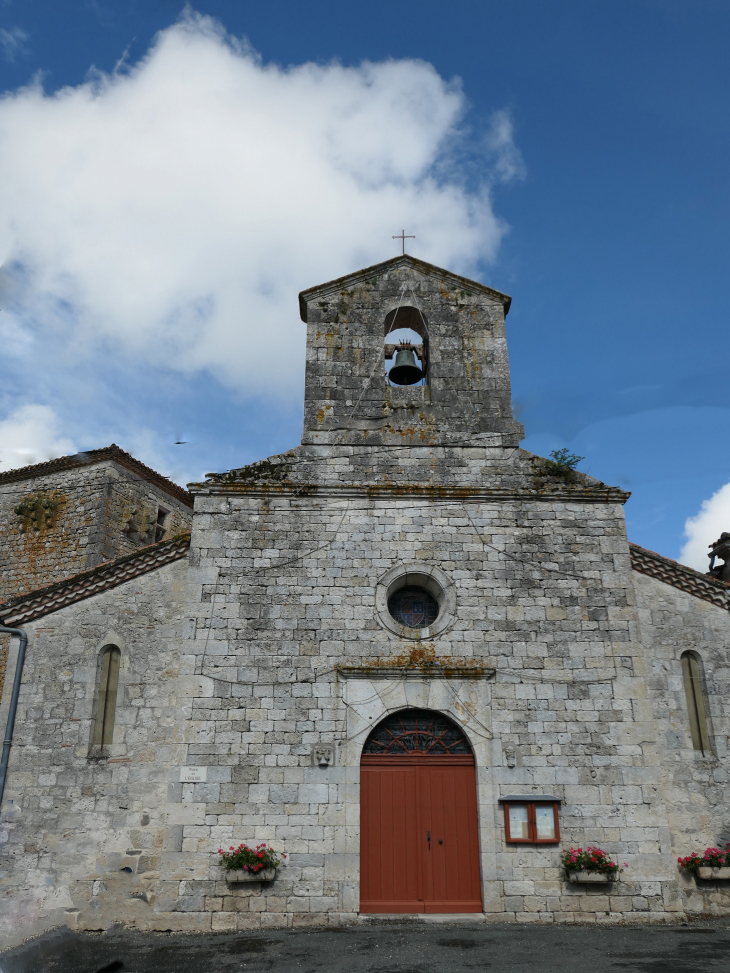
23 636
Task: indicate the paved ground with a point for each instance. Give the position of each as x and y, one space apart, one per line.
699 947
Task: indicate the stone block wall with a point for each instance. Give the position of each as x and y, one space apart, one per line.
544 595
271 646
348 398
63 522
88 836
695 787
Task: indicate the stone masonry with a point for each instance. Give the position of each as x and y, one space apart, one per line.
75 512
556 650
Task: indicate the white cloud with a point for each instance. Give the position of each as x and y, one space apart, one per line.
169 213
30 435
508 164
12 42
705 527
16 340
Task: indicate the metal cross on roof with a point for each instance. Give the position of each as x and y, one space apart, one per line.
403 237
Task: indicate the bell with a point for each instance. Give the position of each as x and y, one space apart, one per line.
405 371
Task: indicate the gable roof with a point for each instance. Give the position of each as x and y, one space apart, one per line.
680 576
376 270
43 601
89 458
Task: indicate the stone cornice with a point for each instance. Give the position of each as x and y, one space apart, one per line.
433 670
220 486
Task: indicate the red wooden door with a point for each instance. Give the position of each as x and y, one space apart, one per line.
418 827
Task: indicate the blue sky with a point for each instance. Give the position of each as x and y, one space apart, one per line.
571 154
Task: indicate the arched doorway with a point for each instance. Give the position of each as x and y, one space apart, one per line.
419 846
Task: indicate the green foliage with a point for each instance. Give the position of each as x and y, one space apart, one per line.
563 459
562 464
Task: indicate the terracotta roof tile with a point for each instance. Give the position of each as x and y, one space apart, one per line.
679 576
92 456
43 601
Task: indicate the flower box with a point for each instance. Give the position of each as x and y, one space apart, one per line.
588 878
244 864
589 867
713 866
709 874
236 875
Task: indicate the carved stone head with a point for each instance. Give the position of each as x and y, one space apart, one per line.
324 756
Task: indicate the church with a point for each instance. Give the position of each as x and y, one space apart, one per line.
412 657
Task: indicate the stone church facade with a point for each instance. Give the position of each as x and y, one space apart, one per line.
407 573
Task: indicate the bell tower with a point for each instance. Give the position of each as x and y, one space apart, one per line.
405 353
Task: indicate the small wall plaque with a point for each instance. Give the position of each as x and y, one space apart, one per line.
193 775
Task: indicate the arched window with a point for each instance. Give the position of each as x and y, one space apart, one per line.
107 701
692 676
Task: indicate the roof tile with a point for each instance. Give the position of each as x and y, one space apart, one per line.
679 576
92 456
43 601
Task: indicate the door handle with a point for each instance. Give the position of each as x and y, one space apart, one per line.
428 838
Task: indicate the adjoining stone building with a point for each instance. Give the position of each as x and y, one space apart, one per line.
75 512
407 581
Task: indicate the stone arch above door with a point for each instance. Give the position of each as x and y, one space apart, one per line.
467 702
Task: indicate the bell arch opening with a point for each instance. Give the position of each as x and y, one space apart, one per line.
417 733
406 347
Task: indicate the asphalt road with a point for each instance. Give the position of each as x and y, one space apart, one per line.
699 947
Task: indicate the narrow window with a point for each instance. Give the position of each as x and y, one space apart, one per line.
104 727
161 525
692 677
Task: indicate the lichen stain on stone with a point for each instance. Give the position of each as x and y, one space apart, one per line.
261 471
472 367
423 659
39 511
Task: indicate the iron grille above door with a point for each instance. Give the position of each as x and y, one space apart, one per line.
416 732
